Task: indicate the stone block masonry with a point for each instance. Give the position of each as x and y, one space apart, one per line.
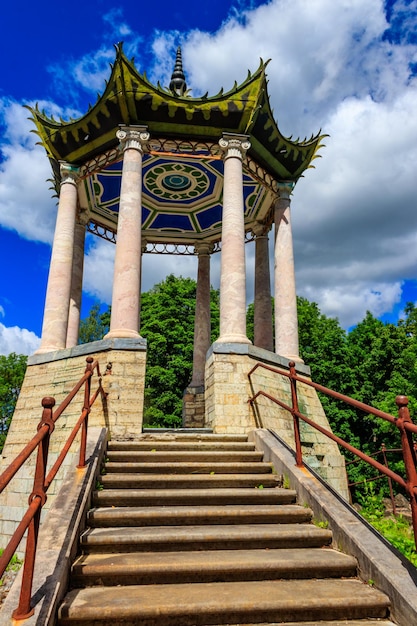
193 407
122 364
228 411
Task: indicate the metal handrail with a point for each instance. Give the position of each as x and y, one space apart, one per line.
402 422
40 442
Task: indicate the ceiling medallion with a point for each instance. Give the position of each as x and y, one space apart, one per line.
176 181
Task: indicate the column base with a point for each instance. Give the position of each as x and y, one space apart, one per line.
47 349
122 333
291 357
233 338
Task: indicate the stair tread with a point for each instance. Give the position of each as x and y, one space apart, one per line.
197 434
131 538
184 496
189 467
284 562
176 444
191 481
137 516
125 450
185 604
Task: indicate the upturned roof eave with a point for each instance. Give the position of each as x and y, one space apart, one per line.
245 109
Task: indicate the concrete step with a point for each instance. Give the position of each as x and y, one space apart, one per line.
213 537
205 467
189 515
192 497
188 434
188 481
214 566
223 603
183 456
176 444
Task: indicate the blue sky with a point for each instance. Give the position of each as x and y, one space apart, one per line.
347 67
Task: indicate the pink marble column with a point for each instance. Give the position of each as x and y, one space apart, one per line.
77 280
286 320
233 272
127 264
202 323
55 320
263 335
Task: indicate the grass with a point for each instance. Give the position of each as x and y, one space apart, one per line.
396 528
14 565
322 523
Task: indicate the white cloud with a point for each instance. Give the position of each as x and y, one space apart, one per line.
351 306
19 340
98 268
26 203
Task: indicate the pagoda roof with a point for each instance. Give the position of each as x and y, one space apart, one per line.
130 98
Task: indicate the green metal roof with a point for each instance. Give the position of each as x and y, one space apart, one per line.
130 99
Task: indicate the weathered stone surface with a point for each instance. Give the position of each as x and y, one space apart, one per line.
55 374
228 390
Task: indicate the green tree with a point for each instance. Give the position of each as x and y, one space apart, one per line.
167 323
12 372
95 326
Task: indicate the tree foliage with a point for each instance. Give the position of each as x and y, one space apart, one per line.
167 322
12 371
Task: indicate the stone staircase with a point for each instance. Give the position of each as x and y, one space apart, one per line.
196 530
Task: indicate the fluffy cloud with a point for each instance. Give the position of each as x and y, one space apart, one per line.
26 202
19 340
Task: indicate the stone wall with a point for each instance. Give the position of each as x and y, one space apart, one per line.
228 390
193 408
122 364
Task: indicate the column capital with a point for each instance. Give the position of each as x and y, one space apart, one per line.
285 190
69 173
234 145
260 229
134 137
83 216
203 248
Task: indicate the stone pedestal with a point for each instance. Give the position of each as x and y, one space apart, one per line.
122 364
228 411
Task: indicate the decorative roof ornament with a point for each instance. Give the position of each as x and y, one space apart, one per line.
178 86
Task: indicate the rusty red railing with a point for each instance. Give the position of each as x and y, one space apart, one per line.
42 480
402 422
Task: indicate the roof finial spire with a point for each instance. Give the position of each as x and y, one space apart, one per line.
178 86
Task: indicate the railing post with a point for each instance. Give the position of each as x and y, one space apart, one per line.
24 609
86 411
409 456
391 493
294 398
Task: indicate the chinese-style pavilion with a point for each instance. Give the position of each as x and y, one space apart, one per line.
155 170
